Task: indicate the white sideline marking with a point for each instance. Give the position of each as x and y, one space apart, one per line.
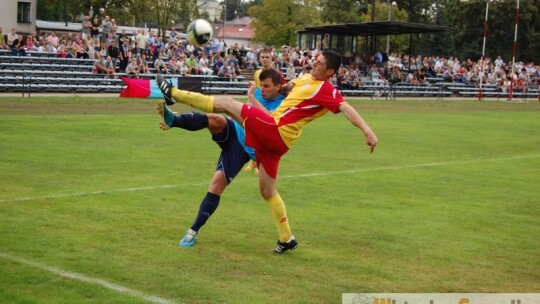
435 164
86 279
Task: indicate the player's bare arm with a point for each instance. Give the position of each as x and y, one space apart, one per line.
357 120
287 88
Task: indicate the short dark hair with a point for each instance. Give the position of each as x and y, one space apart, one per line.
271 73
333 60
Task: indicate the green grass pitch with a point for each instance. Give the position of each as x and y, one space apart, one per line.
94 198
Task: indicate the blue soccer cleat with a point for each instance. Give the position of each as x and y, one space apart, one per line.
167 116
189 239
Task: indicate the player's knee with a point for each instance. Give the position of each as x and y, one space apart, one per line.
216 123
267 191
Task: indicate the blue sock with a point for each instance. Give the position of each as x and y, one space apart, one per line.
208 206
191 121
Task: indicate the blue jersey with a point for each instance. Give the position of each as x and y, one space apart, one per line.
270 105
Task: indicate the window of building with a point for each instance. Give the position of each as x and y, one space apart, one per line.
23 12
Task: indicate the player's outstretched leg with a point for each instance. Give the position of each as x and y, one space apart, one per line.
189 239
167 116
196 100
166 89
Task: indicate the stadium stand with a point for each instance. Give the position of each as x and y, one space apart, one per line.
42 73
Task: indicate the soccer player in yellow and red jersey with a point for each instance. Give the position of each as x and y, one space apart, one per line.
272 135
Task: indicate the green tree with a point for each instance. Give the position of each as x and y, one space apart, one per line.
436 44
398 43
235 8
467 18
280 26
343 11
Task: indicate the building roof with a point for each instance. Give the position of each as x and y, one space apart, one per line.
376 28
234 31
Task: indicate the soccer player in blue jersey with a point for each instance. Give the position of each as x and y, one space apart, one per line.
229 135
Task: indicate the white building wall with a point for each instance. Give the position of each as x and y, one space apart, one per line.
212 7
8 17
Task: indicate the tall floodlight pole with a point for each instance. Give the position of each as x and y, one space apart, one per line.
483 51
514 52
224 18
388 36
389 18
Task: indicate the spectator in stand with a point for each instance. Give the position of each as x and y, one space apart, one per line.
125 54
12 36
18 47
191 65
31 41
222 72
62 49
535 77
122 37
89 45
80 48
231 71
114 27
143 64
291 71
105 28
499 62
447 74
204 66
70 49
86 27
189 49
49 48
3 45
221 47
214 45
159 47
159 65
173 35
110 38
110 67
113 52
53 40
133 69
140 39
376 76
218 63
251 60
183 67
95 29
173 67
99 67
396 76
522 83
232 60
150 43
101 50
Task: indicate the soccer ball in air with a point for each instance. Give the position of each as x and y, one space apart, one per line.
199 32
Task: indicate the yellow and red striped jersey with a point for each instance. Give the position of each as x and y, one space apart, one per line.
309 99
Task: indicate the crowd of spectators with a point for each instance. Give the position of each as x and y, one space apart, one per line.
143 52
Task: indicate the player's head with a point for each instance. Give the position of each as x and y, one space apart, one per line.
326 65
270 84
265 56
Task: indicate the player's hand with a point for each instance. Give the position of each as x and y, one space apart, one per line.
251 88
371 140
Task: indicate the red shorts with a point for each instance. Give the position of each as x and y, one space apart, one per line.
262 134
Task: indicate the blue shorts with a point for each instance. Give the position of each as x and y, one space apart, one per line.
233 157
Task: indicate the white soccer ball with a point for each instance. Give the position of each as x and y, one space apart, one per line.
199 32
